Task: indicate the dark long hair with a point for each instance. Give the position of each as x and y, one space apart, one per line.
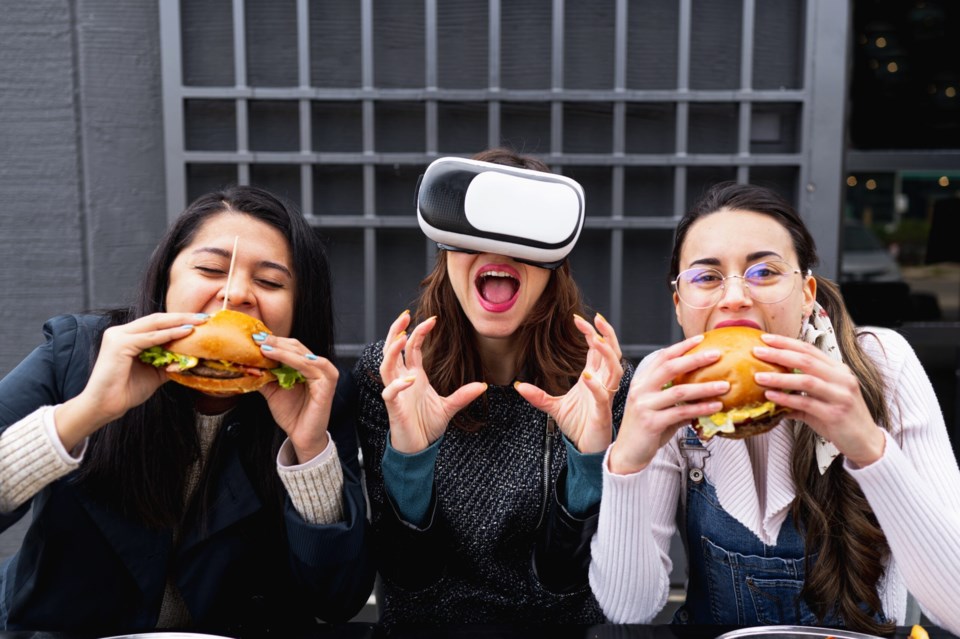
139 462
841 531
552 350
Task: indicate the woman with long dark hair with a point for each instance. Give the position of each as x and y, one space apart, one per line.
831 517
157 506
482 430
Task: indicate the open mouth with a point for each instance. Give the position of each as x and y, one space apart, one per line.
497 289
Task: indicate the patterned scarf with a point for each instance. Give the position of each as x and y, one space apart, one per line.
817 329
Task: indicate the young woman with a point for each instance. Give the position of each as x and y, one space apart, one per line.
828 519
482 431
155 506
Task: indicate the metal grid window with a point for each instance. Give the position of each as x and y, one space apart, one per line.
339 106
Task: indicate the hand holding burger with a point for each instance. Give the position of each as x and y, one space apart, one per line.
746 411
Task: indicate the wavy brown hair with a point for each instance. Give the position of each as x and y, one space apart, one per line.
552 351
845 547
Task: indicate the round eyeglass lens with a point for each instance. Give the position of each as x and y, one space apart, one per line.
767 283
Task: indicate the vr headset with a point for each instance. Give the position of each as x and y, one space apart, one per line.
480 207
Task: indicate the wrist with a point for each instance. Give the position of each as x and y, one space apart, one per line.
619 463
76 419
871 452
305 453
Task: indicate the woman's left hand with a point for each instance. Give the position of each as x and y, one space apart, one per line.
303 412
585 412
825 394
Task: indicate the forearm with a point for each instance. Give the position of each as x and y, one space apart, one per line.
630 564
316 486
31 457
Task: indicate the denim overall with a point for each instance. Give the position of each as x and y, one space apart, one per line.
734 578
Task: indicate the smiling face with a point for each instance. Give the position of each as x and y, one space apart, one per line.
262 284
496 292
719 241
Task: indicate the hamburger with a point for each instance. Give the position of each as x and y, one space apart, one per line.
745 411
220 357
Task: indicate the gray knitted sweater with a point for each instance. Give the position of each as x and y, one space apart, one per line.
491 504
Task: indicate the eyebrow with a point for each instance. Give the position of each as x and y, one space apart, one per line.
756 255
261 264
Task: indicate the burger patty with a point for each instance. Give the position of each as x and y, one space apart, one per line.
201 370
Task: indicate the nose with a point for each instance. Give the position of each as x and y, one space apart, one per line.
735 293
239 294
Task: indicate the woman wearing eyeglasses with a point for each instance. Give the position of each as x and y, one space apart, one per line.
484 416
828 519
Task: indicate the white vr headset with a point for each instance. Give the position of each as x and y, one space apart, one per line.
481 207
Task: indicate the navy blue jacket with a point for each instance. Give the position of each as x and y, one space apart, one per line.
85 567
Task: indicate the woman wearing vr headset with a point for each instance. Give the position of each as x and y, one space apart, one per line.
482 428
831 517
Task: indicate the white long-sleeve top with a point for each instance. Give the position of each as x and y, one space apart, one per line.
914 491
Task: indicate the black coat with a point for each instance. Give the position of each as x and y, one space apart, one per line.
84 566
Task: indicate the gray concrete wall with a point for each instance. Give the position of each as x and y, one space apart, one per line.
81 159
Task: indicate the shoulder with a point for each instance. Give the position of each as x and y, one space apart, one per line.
886 347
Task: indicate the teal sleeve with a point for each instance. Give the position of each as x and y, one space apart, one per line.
408 480
584 480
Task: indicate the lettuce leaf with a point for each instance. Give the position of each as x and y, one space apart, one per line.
160 357
287 376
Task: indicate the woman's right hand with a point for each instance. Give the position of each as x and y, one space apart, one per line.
119 380
418 414
655 409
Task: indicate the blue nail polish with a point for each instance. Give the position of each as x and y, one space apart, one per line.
259 337
186 326
267 347
311 356
201 316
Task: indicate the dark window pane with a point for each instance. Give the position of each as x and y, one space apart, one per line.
400 127
345 252
525 49
210 125
398 38
271 43
715 39
206 28
647 308
648 191
280 179
274 125
782 179
587 127
397 189
588 27
652 33
335 53
462 36
775 128
204 178
337 126
337 190
651 128
525 127
399 270
462 127
701 178
590 264
713 128
778 44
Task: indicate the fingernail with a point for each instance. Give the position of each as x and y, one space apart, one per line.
762 378
410 378
400 334
266 347
201 316
259 337
761 350
311 356
600 338
602 317
186 326
516 384
587 375
578 317
406 311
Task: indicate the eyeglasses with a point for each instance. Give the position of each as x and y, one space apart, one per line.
767 283
550 266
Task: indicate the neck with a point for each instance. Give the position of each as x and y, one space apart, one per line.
210 405
499 359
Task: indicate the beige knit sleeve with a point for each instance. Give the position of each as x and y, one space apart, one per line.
31 457
315 487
